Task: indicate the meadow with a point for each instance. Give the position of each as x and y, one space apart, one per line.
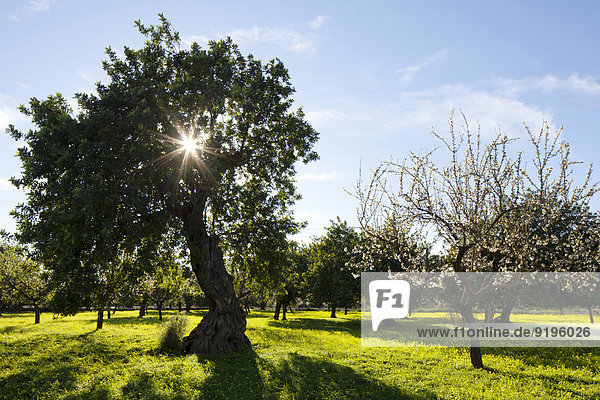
310 356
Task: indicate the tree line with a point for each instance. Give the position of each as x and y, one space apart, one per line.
313 275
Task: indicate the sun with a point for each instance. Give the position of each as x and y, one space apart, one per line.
193 150
189 144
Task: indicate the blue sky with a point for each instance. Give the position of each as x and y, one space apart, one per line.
373 77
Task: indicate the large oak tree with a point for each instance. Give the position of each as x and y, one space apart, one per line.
199 140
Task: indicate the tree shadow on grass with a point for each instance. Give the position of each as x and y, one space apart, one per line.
144 386
351 326
122 320
244 375
33 383
298 376
10 329
233 376
44 375
568 357
566 378
151 318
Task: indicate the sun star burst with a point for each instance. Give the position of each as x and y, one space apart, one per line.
189 144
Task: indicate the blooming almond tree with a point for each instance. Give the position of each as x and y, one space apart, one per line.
488 208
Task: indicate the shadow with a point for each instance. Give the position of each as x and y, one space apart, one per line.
144 386
230 376
244 375
41 374
260 314
9 329
54 363
351 326
301 377
93 394
147 320
574 358
233 376
151 318
36 382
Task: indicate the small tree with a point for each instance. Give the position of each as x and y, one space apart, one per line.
165 282
191 293
293 285
22 280
333 280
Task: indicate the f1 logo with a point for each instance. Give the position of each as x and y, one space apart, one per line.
389 300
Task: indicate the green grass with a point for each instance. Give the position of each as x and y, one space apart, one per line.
308 357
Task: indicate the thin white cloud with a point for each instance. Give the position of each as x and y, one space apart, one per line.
319 177
420 111
407 73
5 185
87 76
200 39
30 8
34 6
8 112
286 38
586 85
478 105
22 85
282 37
89 86
318 22
327 114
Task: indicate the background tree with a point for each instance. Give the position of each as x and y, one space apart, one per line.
22 280
165 283
333 280
293 284
190 138
491 211
191 293
386 248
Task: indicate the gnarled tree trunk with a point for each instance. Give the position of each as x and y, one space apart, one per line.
223 328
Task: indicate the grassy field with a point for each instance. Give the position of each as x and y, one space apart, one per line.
308 357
